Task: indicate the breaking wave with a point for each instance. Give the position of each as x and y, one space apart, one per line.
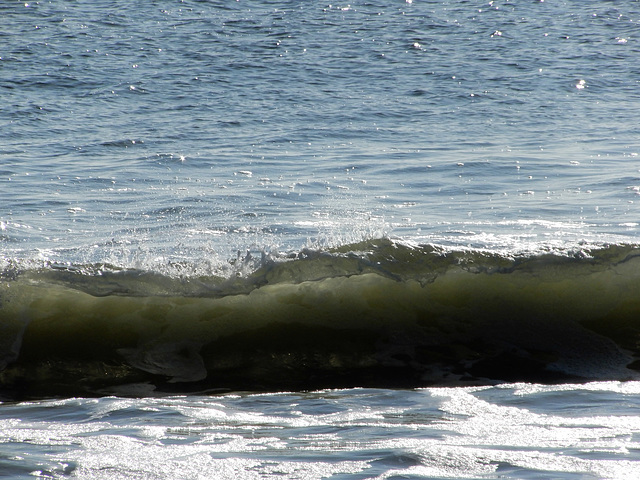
376 313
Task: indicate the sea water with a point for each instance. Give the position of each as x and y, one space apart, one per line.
256 239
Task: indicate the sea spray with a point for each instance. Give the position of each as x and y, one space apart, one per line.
376 313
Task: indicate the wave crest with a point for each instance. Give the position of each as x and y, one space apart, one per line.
375 313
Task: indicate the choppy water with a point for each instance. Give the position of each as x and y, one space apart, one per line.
511 431
211 197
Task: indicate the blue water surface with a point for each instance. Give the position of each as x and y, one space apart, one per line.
194 129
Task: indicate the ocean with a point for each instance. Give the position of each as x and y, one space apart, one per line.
307 240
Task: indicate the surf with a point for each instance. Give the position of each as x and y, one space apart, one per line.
378 313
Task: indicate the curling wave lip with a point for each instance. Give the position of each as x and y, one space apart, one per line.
378 313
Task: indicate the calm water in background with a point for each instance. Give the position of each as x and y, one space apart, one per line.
170 136
193 130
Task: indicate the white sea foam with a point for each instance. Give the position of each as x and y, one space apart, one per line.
448 433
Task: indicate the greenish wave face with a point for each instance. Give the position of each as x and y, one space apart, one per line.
378 313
